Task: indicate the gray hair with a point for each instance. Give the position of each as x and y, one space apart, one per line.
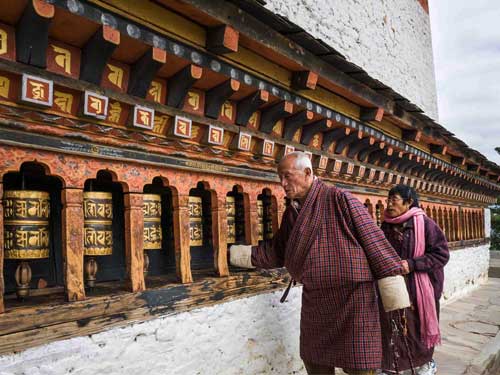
302 161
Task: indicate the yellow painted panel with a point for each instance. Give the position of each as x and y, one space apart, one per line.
157 18
259 65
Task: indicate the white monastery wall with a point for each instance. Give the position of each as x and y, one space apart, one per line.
390 39
254 335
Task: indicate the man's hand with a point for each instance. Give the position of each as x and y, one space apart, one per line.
406 267
241 256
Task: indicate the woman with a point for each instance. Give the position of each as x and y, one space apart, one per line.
409 337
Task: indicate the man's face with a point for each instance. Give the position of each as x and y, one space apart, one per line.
295 182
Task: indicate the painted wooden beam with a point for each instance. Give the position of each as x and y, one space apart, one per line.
356 147
472 167
460 160
304 80
273 114
295 122
32 33
314 128
97 52
438 149
333 136
222 39
371 114
180 83
144 70
365 153
346 141
216 96
411 135
247 106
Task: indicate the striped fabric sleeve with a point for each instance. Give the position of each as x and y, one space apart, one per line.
382 258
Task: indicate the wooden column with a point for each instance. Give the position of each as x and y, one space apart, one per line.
72 243
2 285
181 238
219 233
134 241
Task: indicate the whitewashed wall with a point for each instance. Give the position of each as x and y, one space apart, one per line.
255 335
390 39
487 223
466 270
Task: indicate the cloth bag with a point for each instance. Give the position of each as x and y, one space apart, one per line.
393 293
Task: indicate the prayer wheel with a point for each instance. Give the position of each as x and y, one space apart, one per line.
231 220
378 214
267 220
260 216
152 225
240 219
195 221
98 230
26 232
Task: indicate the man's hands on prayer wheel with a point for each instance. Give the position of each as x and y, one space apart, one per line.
241 256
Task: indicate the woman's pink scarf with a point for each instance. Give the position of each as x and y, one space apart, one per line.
429 325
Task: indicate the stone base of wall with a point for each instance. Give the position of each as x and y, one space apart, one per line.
254 335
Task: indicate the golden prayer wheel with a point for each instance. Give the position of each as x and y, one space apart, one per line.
195 221
98 230
268 221
231 220
260 216
152 225
240 219
26 231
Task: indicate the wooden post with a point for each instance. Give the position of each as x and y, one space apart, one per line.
2 285
181 238
134 241
72 243
219 233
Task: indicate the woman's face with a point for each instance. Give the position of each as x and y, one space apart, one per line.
396 206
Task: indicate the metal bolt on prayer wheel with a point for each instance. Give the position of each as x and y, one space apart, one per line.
98 231
152 226
231 220
195 221
26 232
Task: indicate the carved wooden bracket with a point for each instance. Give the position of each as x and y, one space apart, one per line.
180 83
32 33
295 122
247 106
273 114
144 70
215 97
305 80
97 52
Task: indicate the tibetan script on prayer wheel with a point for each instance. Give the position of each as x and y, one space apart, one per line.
152 221
26 224
267 220
195 221
98 221
260 215
231 220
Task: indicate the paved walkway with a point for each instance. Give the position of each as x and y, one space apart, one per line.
470 331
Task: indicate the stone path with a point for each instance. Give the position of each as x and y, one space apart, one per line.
470 330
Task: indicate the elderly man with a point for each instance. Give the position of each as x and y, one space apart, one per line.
330 244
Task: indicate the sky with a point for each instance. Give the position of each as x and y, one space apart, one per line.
466 47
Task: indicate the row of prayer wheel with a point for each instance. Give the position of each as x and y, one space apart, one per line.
27 233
